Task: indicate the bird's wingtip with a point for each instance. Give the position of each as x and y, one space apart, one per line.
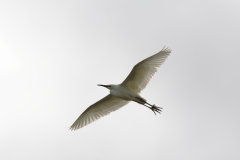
72 128
166 49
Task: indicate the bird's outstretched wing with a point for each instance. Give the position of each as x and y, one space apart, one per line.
99 109
142 72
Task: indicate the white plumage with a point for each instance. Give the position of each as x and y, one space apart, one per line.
128 90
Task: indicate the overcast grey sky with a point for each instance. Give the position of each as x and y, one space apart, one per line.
54 53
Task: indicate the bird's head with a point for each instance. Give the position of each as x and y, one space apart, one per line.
107 86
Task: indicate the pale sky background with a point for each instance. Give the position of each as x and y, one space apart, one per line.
54 53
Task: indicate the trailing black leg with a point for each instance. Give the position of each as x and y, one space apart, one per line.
154 108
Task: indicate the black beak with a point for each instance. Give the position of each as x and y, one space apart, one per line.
102 85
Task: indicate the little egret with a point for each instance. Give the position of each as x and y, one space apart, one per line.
125 92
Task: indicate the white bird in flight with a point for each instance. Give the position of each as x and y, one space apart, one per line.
125 92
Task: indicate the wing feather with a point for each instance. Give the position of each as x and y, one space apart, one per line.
99 109
142 72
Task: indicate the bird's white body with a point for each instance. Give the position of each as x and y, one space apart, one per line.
125 92
122 92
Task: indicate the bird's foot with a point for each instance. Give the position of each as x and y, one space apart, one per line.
155 109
